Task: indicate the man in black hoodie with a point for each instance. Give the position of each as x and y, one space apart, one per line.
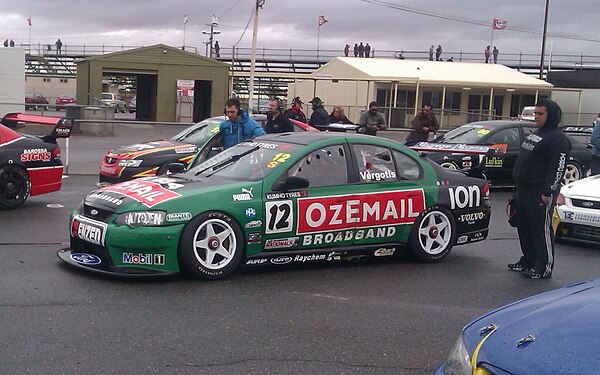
538 174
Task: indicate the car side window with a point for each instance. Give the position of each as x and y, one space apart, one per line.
375 163
407 167
323 167
506 136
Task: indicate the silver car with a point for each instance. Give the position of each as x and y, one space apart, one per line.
115 101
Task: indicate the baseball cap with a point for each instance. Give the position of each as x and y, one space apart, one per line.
316 100
297 100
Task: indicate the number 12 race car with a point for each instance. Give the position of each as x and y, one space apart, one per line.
281 198
29 165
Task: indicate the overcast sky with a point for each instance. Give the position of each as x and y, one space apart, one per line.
385 25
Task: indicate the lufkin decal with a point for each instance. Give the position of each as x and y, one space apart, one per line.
332 213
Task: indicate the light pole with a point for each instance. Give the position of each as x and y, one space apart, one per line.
544 41
185 21
259 4
212 32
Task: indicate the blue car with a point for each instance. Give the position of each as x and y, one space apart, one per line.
556 333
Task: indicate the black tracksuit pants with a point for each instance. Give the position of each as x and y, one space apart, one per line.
534 226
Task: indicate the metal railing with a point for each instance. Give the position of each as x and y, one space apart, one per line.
321 56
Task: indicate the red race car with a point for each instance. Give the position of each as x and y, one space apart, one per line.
29 165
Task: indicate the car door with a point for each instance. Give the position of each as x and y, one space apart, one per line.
498 168
311 217
390 191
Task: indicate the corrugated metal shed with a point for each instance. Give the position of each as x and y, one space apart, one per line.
158 68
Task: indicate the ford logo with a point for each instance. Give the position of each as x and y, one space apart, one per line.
281 260
87 259
588 204
94 212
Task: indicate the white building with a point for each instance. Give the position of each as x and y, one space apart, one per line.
460 92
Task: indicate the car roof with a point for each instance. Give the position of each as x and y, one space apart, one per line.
307 138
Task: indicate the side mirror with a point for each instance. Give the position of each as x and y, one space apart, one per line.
176 168
291 183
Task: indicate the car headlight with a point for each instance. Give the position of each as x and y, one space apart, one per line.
459 361
130 162
560 200
142 218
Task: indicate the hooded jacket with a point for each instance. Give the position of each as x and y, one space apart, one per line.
234 132
544 155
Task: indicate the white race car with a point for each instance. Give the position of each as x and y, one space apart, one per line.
577 214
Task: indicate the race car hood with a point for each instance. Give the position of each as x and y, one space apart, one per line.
587 187
155 147
158 191
545 334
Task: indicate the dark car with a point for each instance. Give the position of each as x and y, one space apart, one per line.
555 333
62 100
152 158
35 100
469 145
288 198
29 165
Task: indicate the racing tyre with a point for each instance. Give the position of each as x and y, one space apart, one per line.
432 234
164 168
14 186
572 173
449 164
211 246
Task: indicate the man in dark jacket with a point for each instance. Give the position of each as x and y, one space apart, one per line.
239 126
538 174
423 123
319 115
276 122
295 111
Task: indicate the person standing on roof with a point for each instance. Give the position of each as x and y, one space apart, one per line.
319 115
295 111
239 126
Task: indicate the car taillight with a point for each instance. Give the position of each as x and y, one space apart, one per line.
485 190
56 153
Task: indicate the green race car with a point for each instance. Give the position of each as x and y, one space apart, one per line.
279 199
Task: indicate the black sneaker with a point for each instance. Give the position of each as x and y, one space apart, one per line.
516 267
533 274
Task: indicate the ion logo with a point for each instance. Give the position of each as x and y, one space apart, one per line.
464 196
87 259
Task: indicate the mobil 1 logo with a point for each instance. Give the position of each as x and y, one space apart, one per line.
278 216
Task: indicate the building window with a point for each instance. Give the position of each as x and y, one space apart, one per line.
432 97
46 79
452 101
64 80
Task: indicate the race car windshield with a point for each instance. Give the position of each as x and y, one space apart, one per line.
200 133
465 134
251 161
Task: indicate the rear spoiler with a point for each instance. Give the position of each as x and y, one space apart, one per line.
460 148
577 129
62 126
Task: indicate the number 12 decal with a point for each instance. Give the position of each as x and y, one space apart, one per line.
279 216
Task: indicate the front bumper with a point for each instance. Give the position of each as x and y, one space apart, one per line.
68 256
576 224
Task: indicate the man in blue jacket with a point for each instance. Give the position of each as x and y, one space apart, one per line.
239 126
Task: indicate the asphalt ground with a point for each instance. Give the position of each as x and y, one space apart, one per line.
380 317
